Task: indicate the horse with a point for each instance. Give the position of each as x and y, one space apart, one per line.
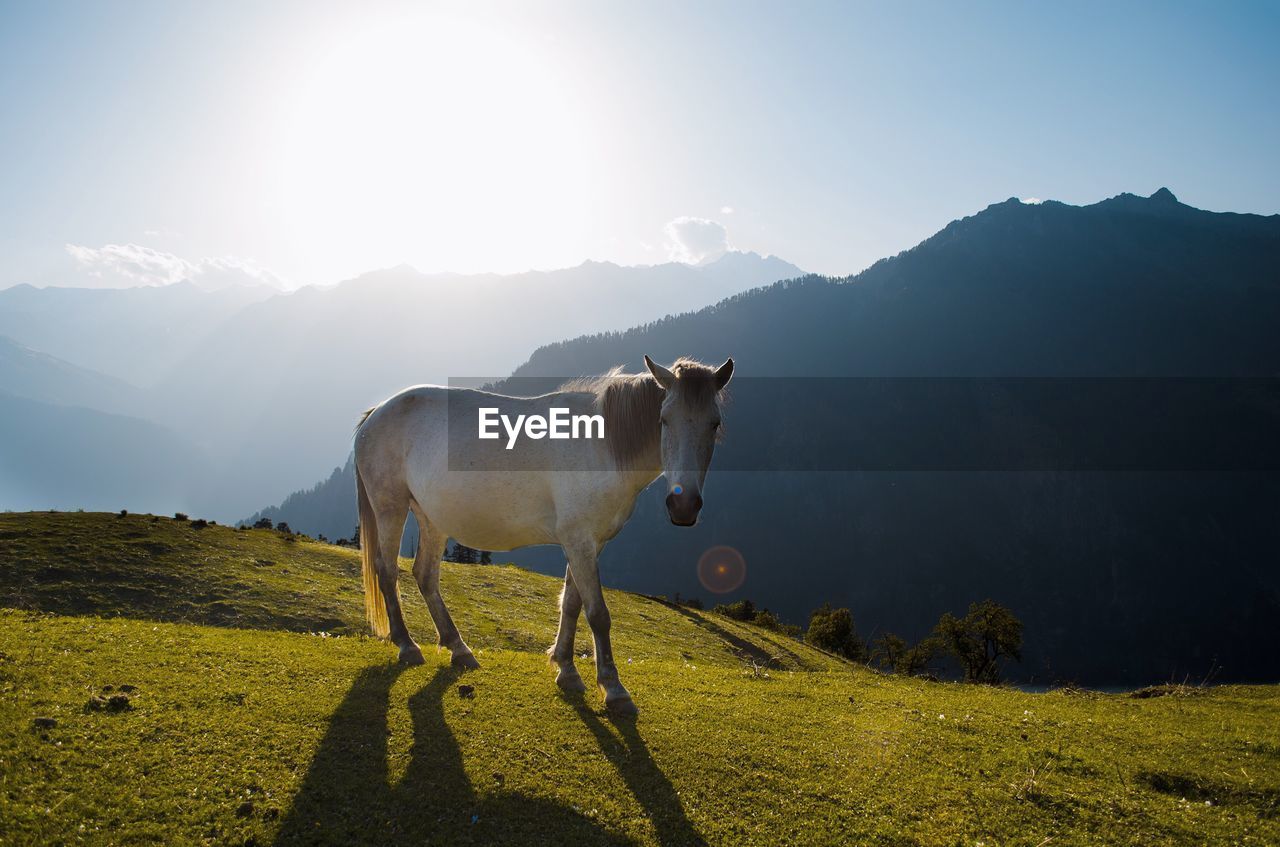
420 452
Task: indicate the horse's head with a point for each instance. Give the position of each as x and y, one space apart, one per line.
690 424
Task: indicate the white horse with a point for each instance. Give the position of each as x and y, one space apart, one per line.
420 451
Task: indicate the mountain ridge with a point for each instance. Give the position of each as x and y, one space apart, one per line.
1047 290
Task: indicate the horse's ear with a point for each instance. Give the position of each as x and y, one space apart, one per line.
664 377
723 373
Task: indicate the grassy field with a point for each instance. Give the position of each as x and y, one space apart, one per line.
235 722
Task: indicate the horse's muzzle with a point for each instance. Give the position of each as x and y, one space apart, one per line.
683 508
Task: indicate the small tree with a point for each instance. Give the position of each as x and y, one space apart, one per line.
284 528
262 523
833 630
887 651
893 653
981 639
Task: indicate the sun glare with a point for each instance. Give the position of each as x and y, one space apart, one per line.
440 142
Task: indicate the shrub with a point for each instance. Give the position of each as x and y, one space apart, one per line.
833 630
892 653
124 513
746 611
283 528
743 610
180 516
262 523
199 523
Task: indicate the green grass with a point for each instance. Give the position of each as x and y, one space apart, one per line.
250 734
166 570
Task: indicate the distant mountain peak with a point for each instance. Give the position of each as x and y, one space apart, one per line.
1164 195
735 261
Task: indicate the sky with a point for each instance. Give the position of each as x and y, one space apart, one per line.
306 143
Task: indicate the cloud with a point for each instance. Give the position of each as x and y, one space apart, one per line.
696 241
726 210
124 265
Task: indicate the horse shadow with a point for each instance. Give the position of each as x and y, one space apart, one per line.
346 796
629 754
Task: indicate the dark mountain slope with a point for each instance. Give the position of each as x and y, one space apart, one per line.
1126 287
1122 574
1121 577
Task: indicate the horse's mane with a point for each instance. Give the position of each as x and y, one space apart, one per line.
632 406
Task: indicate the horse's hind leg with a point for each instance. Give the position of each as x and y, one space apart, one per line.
426 570
390 521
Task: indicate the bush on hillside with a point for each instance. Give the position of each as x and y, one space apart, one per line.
892 653
833 630
744 610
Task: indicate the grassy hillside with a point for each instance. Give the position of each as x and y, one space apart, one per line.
234 730
161 569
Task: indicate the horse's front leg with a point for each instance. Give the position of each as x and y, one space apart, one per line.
561 652
586 577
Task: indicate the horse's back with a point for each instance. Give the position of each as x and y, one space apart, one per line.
424 441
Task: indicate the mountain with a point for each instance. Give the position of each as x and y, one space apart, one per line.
837 482
134 334
322 510
66 457
270 384
27 373
277 390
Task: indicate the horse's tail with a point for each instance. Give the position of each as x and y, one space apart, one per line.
375 607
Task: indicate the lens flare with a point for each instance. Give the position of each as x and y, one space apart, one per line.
722 569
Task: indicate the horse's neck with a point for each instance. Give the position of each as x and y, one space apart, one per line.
642 475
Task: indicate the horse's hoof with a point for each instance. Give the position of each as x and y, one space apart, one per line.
464 661
570 680
410 655
622 707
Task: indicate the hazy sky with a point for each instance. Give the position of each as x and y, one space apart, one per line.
304 143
